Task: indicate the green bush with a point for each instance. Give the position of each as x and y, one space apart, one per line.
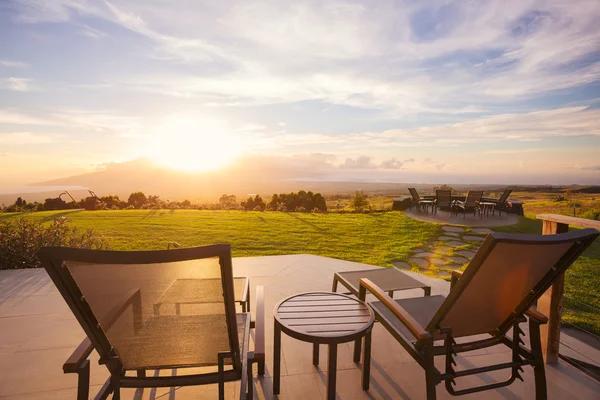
22 238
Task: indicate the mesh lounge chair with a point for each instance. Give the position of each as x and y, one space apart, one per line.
443 199
120 299
471 203
418 201
494 294
502 204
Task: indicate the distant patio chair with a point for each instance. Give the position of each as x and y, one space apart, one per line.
136 315
494 294
502 203
471 203
418 201
443 199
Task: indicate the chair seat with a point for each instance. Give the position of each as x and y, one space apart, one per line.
422 309
172 341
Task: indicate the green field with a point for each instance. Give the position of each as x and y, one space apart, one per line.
374 238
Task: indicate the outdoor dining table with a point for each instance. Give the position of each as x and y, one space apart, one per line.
323 318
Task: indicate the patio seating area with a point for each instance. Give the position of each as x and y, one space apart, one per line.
39 332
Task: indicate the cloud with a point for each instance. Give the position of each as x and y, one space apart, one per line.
399 59
595 167
23 138
362 162
395 164
13 64
18 84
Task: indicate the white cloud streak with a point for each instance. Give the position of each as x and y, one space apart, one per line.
18 84
399 58
13 64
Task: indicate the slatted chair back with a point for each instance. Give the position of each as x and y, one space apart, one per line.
473 198
504 196
505 277
415 196
443 198
129 305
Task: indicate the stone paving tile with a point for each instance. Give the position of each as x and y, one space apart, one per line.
473 238
466 253
419 261
446 238
402 265
453 234
457 229
481 230
424 254
443 250
458 260
436 261
456 243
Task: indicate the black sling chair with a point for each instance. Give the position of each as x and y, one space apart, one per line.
121 299
495 293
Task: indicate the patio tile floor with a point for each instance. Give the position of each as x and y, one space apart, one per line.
38 333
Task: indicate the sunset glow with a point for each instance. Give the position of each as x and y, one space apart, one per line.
194 144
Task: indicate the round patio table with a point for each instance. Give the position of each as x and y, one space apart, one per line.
324 318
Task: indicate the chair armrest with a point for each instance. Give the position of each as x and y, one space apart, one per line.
454 278
536 316
411 324
80 354
259 328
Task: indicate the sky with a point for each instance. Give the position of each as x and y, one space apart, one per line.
416 91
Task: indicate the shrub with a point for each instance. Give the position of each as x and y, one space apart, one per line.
22 238
359 201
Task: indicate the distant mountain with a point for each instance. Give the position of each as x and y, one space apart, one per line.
244 178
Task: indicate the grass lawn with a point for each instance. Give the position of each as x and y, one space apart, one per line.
375 238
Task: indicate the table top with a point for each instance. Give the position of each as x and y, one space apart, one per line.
324 317
388 279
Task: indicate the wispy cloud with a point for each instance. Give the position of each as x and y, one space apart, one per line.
13 64
18 84
459 60
23 138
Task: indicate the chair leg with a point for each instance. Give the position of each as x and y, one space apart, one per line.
366 378
538 368
430 378
83 381
116 386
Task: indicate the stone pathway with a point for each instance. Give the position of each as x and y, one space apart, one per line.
452 250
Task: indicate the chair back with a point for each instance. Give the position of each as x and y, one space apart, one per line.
443 198
504 196
505 277
151 309
414 194
473 197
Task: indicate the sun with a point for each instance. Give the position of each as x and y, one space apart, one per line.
194 144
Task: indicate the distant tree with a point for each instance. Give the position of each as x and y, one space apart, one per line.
228 202
256 203
359 201
186 204
20 202
113 202
56 204
137 199
154 202
91 203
